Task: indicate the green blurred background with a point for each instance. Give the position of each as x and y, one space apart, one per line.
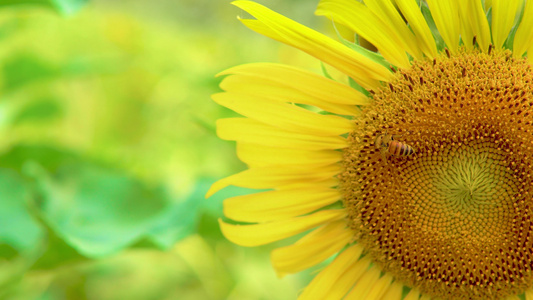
108 145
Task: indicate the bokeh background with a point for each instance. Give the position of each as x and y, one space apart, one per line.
108 145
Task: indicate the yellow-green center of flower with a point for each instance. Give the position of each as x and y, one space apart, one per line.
455 218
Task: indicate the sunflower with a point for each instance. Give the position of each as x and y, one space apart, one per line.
414 177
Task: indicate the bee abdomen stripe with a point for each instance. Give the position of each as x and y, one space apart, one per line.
399 149
404 149
407 150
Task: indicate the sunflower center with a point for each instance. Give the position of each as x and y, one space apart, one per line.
455 218
470 193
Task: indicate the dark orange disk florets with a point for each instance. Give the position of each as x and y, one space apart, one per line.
454 219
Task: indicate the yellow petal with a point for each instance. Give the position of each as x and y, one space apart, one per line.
379 288
253 85
311 249
418 24
335 280
259 155
332 182
488 4
503 18
530 51
363 286
513 297
394 292
467 35
446 16
265 233
387 12
474 24
414 294
362 69
277 205
274 176
425 297
303 81
523 38
254 132
529 294
362 20
286 116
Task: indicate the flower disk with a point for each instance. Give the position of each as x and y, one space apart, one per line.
455 218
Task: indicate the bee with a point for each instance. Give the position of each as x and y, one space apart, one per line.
387 145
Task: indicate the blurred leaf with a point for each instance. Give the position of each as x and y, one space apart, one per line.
12 272
25 68
8 28
56 252
18 229
212 208
65 7
177 223
213 204
120 199
68 6
39 110
7 251
98 211
208 227
180 220
48 157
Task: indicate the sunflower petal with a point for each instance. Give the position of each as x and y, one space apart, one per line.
529 294
523 38
251 131
362 69
303 81
503 18
282 115
425 297
362 20
335 280
446 16
332 182
394 292
474 23
311 249
363 287
414 294
349 278
387 12
467 34
419 26
265 233
277 205
259 155
274 176
380 287
249 85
